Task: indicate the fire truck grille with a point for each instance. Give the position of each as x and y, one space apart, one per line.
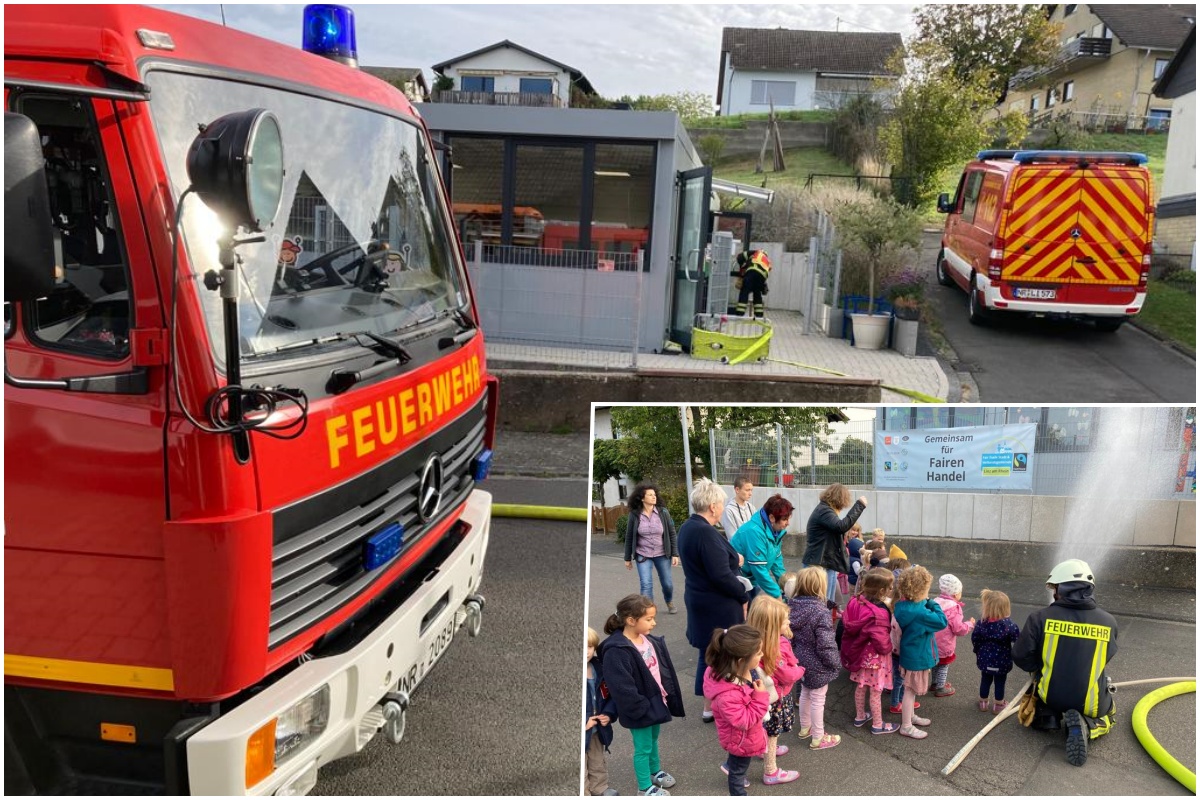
317 558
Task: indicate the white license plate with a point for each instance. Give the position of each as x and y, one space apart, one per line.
439 644
1035 294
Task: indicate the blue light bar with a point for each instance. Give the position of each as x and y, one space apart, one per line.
1029 156
481 467
329 32
383 546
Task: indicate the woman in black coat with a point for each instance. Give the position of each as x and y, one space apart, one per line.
826 532
650 541
714 594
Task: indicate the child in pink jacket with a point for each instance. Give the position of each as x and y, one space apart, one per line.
769 617
739 698
947 638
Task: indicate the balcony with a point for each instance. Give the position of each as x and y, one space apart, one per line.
535 99
1073 56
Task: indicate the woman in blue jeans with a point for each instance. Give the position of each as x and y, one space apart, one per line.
650 542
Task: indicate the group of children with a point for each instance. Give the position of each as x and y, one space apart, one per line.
891 637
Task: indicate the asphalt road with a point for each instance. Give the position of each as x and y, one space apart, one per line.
1157 639
498 713
1021 360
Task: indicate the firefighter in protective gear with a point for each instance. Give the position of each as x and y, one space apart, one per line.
754 267
1066 646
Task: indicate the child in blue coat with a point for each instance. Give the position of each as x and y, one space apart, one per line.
992 640
597 727
919 619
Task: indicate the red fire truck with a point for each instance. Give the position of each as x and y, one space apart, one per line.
246 405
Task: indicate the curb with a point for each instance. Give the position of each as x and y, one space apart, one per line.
1178 347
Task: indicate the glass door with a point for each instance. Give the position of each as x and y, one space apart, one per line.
695 189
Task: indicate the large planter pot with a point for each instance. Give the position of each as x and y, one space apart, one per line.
870 332
904 336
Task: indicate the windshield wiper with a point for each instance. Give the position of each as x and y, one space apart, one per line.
467 330
340 380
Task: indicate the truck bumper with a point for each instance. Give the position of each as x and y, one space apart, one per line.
392 660
994 300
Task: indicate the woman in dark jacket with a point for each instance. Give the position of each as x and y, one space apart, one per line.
825 546
714 591
650 541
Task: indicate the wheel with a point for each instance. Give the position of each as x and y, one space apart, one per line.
943 276
1109 324
976 313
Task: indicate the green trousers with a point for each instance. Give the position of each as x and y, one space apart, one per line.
645 755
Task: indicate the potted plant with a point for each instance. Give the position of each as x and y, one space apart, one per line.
906 291
877 227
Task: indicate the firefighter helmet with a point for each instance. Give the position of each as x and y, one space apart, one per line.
1071 570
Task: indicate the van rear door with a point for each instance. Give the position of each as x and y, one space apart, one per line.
1077 228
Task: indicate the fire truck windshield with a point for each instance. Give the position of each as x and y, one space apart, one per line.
362 241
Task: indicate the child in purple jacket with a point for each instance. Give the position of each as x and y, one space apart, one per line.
817 652
992 640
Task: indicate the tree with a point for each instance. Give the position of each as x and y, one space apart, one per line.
854 451
878 226
936 124
971 41
688 105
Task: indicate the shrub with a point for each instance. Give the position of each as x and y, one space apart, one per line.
622 527
792 217
878 237
908 282
711 146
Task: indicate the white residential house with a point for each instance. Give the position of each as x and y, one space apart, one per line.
799 70
1175 222
506 73
615 490
410 80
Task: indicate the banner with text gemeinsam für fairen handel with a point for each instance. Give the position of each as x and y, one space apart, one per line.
983 457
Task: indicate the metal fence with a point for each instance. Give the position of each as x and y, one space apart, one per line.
1071 444
569 298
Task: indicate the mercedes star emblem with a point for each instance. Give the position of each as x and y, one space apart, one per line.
429 501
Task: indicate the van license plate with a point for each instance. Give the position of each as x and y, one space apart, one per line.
1035 294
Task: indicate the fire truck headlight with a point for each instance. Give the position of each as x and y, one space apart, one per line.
282 737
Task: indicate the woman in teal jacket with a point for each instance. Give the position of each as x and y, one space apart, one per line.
760 541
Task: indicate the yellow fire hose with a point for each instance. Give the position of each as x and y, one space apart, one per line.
1165 760
920 397
1155 750
539 512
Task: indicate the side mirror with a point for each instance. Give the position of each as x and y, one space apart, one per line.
944 205
235 165
28 230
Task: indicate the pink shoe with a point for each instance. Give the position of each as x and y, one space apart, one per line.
999 706
983 705
825 742
780 776
781 750
913 733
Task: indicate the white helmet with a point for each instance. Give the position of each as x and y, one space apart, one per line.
1070 571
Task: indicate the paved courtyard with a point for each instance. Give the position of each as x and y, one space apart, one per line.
789 344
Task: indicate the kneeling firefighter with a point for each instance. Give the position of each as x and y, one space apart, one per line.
1066 646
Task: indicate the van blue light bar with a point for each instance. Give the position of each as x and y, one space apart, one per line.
1073 156
329 32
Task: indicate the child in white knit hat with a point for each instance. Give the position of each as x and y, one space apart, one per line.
950 600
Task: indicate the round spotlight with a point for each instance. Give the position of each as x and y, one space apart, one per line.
236 167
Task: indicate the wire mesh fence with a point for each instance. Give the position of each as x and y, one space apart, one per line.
1074 447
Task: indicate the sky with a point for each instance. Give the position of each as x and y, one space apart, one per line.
622 49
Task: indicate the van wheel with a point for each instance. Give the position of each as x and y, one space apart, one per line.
976 313
943 276
1109 324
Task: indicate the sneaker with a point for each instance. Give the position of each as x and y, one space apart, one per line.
922 721
1077 738
663 779
945 691
805 733
827 741
780 776
706 716
858 723
999 706
655 791
671 609
913 733
887 727
984 705
780 750
725 769
897 709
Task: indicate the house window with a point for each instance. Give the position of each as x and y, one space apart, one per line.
1159 119
782 93
622 197
1101 31
477 179
1068 91
537 86
1035 102
1051 98
478 83
1069 10
549 178
1160 65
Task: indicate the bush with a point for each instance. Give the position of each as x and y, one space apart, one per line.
711 146
880 239
622 527
908 282
792 217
